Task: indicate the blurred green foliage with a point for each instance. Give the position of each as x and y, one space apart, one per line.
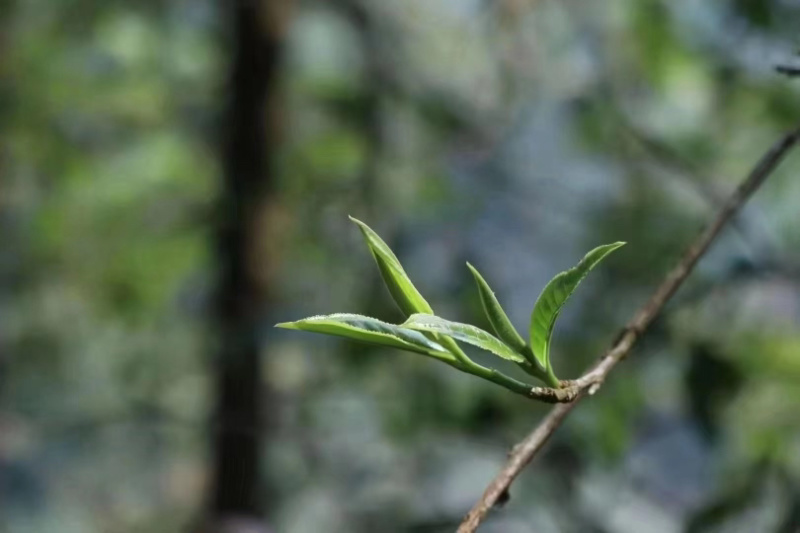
512 134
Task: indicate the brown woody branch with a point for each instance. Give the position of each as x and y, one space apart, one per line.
525 451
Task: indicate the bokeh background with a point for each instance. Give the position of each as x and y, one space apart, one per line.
515 134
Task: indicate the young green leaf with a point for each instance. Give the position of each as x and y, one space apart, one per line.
501 325
407 297
462 332
553 297
371 330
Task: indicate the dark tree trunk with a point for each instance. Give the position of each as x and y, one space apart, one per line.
249 136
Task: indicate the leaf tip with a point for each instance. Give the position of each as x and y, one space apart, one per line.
356 221
608 248
285 325
365 229
475 273
614 246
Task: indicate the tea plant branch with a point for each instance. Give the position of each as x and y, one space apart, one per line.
425 333
522 454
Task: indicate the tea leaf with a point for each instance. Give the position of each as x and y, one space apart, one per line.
501 325
463 332
367 329
553 297
405 295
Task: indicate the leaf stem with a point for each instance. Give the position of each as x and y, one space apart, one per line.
551 379
536 370
527 353
445 357
495 376
454 349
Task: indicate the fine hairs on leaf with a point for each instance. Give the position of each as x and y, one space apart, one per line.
425 333
464 333
367 329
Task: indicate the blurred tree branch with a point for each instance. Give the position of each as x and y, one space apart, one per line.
522 454
786 70
249 138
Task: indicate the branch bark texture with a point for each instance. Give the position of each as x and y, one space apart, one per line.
525 451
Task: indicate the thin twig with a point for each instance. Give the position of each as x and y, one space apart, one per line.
525 451
787 70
